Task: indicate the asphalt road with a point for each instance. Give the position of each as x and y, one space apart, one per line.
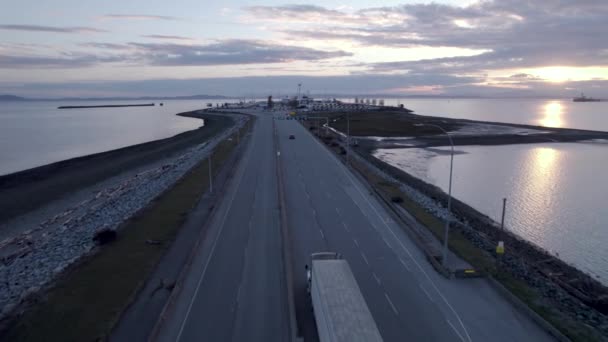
330 210
235 290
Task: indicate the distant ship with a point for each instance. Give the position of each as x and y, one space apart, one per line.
584 98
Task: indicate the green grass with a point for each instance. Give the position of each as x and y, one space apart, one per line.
87 301
387 123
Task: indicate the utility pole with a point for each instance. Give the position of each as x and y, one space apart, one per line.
347 137
444 262
502 221
210 175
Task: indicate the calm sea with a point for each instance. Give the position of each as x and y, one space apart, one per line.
556 192
37 133
551 113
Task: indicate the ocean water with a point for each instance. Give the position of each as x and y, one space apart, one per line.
37 133
557 193
551 113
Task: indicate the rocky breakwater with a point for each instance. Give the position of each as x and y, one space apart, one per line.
33 258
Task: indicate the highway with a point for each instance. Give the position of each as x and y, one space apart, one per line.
235 289
330 210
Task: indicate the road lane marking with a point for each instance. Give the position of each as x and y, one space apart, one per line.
385 241
338 211
328 194
345 227
405 265
365 259
345 171
356 242
322 235
390 302
314 212
456 331
377 279
426 292
350 177
238 293
217 237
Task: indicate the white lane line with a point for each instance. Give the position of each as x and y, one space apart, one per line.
345 227
200 279
456 331
385 241
344 170
405 265
314 212
338 211
377 279
426 292
390 302
322 235
356 242
364 258
238 293
307 196
328 194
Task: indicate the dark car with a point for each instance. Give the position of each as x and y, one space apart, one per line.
292 137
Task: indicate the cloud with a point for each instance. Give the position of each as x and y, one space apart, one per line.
160 36
233 51
515 33
221 52
138 17
282 85
293 12
238 86
55 29
63 61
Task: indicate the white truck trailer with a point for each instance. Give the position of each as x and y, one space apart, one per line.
340 310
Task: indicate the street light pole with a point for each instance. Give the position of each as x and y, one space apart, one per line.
447 219
210 176
347 137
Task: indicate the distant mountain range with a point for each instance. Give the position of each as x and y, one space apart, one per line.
192 97
317 96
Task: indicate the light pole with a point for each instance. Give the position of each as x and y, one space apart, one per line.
347 137
447 219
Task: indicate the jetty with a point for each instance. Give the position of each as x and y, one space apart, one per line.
109 106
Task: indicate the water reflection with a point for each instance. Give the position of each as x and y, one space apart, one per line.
553 112
537 189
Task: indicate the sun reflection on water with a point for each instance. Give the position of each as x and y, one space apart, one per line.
553 112
538 188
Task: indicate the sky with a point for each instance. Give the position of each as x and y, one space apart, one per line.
492 48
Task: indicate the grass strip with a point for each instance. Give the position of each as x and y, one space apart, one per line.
88 299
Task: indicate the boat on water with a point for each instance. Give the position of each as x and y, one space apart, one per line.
584 98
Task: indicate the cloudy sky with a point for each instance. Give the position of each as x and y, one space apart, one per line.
244 48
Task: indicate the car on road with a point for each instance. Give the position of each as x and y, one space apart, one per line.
292 137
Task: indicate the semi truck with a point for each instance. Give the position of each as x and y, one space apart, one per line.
340 310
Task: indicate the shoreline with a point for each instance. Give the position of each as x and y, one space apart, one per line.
27 190
63 231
